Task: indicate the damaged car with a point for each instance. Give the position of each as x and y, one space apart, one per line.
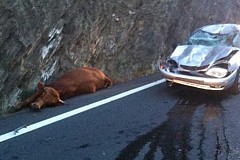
210 59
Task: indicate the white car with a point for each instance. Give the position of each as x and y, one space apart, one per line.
209 60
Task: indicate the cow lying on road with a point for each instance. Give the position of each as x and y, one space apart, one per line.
75 82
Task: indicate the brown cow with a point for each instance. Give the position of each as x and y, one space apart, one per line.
75 82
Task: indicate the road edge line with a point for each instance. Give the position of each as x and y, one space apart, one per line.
25 129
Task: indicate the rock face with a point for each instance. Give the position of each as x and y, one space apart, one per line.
40 40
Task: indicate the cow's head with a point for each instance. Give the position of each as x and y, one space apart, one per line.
49 97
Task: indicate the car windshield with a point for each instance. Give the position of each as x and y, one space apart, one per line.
201 37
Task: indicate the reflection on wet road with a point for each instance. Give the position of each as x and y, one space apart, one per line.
194 129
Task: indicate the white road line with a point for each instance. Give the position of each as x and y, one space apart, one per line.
25 129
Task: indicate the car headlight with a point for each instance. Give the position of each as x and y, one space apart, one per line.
217 72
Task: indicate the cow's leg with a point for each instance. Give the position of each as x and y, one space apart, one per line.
108 82
92 88
82 88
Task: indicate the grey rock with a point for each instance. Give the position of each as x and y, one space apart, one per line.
40 40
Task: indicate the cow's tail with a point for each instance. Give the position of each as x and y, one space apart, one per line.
108 82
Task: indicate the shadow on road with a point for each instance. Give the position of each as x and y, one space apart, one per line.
194 130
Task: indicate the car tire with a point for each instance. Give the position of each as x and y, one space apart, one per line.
235 88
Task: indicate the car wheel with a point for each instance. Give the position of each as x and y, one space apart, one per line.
235 89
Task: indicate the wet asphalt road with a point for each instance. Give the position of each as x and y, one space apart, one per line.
157 123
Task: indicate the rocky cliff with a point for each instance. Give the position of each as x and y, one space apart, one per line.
40 40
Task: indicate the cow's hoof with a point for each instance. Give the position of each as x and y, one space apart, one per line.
35 107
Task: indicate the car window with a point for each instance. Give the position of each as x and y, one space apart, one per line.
201 37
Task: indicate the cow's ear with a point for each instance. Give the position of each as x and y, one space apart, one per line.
40 85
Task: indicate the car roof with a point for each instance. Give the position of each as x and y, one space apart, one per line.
221 28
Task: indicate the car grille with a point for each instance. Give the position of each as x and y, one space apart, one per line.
193 68
198 74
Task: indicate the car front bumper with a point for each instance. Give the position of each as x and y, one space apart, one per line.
200 82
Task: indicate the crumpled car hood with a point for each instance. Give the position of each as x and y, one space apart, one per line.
198 55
